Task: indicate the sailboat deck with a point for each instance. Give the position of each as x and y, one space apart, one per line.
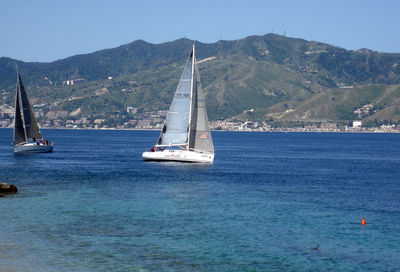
179 156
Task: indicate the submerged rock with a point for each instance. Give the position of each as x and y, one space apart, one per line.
7 189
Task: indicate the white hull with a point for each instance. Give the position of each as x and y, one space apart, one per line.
32 148
178 155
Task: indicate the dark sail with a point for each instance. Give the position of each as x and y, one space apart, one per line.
200 135
31 127
19 132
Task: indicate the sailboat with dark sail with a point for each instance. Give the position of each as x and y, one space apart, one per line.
185 135
27 136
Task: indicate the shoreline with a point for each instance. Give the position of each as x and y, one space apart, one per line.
283 130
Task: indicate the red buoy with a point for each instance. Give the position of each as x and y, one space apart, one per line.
363 222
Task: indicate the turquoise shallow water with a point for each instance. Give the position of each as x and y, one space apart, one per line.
268 199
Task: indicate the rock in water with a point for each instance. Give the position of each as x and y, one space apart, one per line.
7 189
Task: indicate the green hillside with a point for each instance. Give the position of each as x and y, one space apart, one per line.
268 77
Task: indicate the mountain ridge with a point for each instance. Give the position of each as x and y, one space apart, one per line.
285 52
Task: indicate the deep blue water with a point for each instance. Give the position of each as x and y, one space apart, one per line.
268 199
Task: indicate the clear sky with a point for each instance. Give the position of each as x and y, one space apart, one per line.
47 30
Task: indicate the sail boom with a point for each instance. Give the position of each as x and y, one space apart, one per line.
22 143
201 151
171 145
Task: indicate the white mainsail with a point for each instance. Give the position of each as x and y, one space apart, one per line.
175 129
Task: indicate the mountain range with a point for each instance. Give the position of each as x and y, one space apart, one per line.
269 78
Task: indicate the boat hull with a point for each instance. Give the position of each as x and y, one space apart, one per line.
179 156
32 148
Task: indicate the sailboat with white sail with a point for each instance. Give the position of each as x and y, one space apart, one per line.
27 136
185 136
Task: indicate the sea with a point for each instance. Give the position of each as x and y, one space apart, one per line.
269 202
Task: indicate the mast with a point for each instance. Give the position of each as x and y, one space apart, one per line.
191 98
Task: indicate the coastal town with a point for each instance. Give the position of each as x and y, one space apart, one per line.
133 118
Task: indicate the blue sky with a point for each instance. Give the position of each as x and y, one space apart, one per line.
47 30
